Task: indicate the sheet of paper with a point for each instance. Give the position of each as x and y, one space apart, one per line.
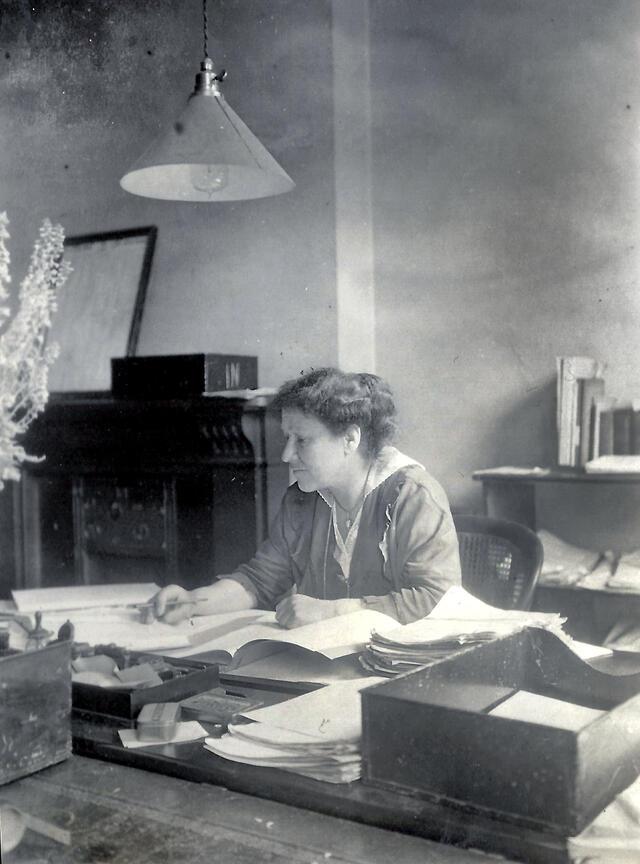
121 627
83 596
585 651
332 713
546 711
189 730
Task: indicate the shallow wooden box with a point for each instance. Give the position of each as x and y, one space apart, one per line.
119 708
427 734
35 710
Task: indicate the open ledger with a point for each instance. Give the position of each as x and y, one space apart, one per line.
258 635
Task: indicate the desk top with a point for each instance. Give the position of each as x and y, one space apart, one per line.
127 816
553 475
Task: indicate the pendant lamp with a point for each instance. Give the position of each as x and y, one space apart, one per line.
208 154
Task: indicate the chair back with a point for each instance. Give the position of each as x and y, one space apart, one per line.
500 560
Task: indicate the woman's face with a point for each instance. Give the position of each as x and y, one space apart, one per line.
315 455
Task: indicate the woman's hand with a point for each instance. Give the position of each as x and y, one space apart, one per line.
298 609
173 604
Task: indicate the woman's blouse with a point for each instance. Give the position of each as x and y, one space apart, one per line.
400 555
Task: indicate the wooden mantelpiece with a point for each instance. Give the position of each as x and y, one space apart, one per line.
137 489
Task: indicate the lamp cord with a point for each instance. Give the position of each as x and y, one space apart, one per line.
205 28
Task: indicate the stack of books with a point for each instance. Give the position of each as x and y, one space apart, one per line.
316 735
591 424
618 427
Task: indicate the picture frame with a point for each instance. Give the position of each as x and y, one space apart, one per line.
100 307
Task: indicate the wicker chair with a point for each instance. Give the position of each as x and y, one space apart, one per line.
500 560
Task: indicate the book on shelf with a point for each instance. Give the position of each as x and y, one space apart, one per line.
622 416
589 390
572 372
635 427
602 426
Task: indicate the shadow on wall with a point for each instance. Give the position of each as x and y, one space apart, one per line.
523 435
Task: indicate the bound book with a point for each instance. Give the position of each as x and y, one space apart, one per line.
571 373
603 427
622 419
590 389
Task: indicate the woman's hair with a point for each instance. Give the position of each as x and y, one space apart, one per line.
341 399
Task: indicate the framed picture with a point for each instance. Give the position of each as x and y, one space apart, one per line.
100 306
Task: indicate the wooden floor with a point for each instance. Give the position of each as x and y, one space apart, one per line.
122 815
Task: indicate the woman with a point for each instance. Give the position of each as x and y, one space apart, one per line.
363 526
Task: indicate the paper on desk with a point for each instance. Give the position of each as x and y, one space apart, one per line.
459 613
332 713
84 596
121 627
614 836
189 730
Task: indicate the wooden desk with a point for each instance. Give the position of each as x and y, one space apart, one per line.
122 815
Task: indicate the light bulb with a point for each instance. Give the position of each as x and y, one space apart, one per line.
209 178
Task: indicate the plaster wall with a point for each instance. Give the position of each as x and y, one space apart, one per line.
506 158
504 193
85 87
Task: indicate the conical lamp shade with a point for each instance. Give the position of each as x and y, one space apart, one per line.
209 154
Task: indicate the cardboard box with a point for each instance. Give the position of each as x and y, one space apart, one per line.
429 734
35 710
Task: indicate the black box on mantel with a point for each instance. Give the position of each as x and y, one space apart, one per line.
182 375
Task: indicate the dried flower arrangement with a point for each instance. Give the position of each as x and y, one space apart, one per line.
25 356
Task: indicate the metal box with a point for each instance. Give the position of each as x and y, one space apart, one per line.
428 734
35 709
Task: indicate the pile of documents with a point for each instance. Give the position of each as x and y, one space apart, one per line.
564 563
317 734
458 620
626 576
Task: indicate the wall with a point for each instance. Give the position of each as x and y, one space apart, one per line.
506 202
504 194
84 89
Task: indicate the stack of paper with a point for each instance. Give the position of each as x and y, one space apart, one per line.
614 464
627 573
564 564
459 619
316 734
